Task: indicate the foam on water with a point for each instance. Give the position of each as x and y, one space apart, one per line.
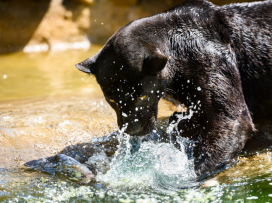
152 165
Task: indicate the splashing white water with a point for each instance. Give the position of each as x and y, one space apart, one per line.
155 166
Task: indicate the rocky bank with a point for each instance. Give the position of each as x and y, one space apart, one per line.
34 26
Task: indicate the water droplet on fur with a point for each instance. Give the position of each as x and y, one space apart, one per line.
124 114
136 109
199 88
188 81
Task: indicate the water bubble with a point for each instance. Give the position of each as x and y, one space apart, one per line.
199 88
136 109
124 114
252 197
188 81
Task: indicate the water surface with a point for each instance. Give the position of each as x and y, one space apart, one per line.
46 104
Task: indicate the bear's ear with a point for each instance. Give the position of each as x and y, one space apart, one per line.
154 61
88 65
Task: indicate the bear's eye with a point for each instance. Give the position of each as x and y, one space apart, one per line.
112 101
142 97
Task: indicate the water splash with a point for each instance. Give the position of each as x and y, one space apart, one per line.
142 164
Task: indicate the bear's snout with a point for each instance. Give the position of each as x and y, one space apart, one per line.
137 126
133 128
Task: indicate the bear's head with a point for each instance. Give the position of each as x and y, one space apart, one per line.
129 69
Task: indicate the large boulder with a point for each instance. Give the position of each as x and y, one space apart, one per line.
43 25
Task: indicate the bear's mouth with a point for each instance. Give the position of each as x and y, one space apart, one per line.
141 127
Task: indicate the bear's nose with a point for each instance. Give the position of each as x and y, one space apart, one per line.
132 126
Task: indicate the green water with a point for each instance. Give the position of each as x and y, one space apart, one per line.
26 186
47 105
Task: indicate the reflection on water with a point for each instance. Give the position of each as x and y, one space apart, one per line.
47 104
31 75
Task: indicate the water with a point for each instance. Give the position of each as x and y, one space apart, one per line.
46 106
153 166
29 186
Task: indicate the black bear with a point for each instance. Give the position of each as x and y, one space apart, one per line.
215 60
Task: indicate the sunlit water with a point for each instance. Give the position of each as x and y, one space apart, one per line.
153 166
47 105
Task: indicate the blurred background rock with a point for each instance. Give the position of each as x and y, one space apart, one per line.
52 25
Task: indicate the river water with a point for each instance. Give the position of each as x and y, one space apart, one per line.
47 105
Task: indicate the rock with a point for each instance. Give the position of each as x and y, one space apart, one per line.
87 2
34 26
43 25
110 15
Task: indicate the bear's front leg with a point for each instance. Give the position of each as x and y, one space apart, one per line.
219 133
217 117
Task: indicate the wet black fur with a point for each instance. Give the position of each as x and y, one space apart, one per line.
215 60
